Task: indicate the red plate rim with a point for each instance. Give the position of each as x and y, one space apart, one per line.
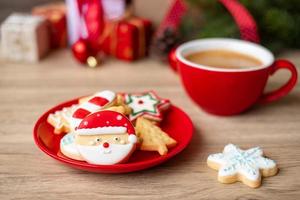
116 168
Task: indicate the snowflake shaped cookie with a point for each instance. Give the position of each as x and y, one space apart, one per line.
247 166
147 104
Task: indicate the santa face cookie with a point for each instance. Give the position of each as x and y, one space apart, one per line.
247 166
105 138
147 105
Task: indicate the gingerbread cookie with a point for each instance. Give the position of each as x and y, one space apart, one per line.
68 148
119 109
152 137
147 105
61 119
121 102
247 166
97 102
105 138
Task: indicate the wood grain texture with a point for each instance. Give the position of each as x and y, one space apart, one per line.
26 91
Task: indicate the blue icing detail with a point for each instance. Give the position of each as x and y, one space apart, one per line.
68 139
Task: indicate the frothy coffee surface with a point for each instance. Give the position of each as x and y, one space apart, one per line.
223 59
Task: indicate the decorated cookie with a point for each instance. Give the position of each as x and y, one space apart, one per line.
61 119
152 137
147 105
97 102
246 166
68 148
119 106
105 138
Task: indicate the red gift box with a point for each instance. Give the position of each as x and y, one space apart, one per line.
127 39
55 14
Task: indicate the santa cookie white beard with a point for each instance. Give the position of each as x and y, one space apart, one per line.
105 138
115 153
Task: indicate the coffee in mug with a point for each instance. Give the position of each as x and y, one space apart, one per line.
220 58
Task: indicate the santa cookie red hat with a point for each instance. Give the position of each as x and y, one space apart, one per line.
106 122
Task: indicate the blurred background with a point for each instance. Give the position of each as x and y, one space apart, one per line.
9 6
162 24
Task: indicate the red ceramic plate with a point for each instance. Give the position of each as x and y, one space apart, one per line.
176 123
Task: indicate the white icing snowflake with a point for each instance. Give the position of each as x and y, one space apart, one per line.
247 163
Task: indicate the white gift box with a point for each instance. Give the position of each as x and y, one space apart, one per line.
24 37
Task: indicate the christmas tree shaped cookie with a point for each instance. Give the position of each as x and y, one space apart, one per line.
152 137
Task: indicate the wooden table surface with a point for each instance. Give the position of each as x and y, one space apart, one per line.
27 90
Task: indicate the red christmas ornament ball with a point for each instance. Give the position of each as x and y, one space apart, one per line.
80 51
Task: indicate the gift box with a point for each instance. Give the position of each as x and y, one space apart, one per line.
106 26
55 13
127 39
24 37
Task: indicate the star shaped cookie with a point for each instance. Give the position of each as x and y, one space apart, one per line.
247 166
147 105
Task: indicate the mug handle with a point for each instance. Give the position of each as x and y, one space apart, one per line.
287 87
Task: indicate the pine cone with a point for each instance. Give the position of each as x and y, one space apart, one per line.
162 45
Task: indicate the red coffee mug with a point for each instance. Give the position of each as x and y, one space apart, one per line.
230 91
